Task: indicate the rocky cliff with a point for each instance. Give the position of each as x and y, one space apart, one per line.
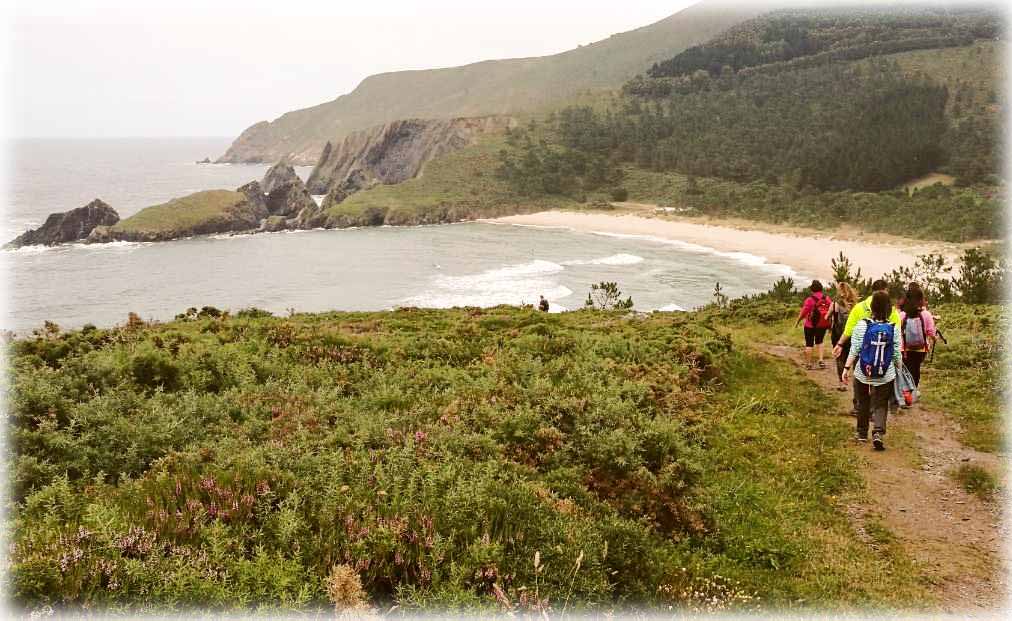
496 87
394 152
286 193
73 225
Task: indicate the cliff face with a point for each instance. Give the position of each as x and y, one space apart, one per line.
394 152
73 225
495 87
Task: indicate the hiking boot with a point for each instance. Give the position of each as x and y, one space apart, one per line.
822 365
876 440
861 437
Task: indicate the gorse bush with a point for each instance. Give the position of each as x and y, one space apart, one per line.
430 455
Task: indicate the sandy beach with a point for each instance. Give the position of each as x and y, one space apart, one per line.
807 254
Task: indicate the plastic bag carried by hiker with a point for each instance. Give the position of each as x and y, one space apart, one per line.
905 388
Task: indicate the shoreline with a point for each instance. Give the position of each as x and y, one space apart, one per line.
809 254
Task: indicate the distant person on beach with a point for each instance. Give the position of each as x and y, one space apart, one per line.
845 300
918 330
815 312
875 358
543 304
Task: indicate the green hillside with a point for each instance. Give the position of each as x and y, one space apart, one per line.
459 186
490 87
487 459
799 37
182 213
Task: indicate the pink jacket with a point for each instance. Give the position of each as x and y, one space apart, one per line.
929 326
806 309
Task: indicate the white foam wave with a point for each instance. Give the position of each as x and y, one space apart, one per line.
615 259
744 258
667 308
230 235
115 246
513 284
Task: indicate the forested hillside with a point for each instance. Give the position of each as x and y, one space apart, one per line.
831 128
825 34
792 141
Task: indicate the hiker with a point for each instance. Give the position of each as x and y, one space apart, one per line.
918 330
845 300
861 310
874 357
543 304
815 312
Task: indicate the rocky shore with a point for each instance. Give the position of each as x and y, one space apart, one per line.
383 155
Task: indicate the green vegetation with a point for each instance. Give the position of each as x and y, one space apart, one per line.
830 128
818 36
936 212
188 212
491 459
977 480
458 186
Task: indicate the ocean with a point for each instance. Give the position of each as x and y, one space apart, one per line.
466 264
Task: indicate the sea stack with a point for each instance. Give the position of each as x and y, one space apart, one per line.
69 226
286 193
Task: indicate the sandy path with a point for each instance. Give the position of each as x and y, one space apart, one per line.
806 254
954 538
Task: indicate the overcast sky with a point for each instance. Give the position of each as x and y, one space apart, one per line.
177 68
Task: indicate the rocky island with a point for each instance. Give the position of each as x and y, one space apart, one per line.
70 226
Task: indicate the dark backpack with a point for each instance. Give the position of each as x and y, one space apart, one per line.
913 332
820 311
877 348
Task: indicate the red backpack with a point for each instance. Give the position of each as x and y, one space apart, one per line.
820 311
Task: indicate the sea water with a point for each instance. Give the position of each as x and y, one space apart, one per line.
466 264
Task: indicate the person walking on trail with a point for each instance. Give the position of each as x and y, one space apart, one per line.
543 304
815 313
862 310
845 300
918 330
874 358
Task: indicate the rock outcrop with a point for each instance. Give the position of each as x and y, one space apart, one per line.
286 193
278 175
395 152
73 225
202 213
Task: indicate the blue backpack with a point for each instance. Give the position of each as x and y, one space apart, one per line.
877 348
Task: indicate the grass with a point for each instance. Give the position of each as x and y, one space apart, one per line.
181 213
460 185
978 481
242 462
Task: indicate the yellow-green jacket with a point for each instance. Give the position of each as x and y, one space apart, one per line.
862 310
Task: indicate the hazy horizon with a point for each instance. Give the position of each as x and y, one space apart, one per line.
186 71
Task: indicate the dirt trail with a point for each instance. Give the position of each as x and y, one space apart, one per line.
954 538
